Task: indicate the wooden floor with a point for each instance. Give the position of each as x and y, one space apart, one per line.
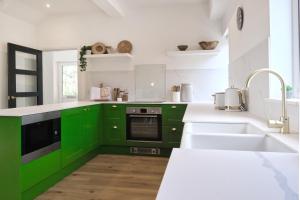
111 177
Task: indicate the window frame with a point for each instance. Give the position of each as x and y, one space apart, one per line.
63 98
296 47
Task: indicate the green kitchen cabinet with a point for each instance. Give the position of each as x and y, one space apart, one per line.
115 132
71 135
172 124
37 170
114 122
10 154
80 132
92 122
114 110
173 112
172 133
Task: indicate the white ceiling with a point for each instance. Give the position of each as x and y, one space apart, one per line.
34 11
61 6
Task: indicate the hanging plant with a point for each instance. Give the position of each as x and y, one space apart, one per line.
82 59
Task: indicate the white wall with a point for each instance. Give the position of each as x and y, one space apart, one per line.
153 32
51 60
13 31
249 50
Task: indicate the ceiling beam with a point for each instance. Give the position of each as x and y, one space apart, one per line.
218 8
110 7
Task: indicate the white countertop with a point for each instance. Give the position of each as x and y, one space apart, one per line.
203 112
30 110
230 175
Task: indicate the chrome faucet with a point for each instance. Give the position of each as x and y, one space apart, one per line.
283 123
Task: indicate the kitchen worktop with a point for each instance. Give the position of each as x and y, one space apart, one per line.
230 175
30 110
203 112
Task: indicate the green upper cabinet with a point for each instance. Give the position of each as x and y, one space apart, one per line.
114 123
81 129
10 155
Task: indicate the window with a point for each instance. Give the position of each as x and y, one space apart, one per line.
68 82
284 46
296 45
296 52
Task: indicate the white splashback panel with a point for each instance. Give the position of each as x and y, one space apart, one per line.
150 82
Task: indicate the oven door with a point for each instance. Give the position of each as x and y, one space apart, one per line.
144 127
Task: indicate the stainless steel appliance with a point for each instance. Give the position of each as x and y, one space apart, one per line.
233 99
41 134
144 124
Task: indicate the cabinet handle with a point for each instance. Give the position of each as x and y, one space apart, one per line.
114 106
115 127
174 129
174 107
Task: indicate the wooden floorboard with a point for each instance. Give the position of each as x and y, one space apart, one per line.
111 177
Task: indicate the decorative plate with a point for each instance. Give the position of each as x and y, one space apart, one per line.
98 48
124 47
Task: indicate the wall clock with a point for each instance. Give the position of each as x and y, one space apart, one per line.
240 18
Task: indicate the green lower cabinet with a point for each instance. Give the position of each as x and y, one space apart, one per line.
172 124
72 136
173 112
172 134
114 124
35 171
10 148
114 132
81 129
92 122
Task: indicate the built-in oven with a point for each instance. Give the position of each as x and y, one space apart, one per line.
144 124
41 134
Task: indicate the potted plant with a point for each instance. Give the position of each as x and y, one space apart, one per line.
289 91
82 59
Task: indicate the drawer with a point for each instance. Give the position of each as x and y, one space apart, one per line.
173 111
114 131
173 122
114 111
37 170
172 135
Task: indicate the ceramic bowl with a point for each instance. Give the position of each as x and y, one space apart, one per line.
208 45
182 47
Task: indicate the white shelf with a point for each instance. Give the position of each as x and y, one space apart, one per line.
113 55
193 53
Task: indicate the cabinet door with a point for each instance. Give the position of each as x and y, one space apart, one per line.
172 134
71 135
114 132
92 124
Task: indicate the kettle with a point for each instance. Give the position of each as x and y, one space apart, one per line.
219 100
233 99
